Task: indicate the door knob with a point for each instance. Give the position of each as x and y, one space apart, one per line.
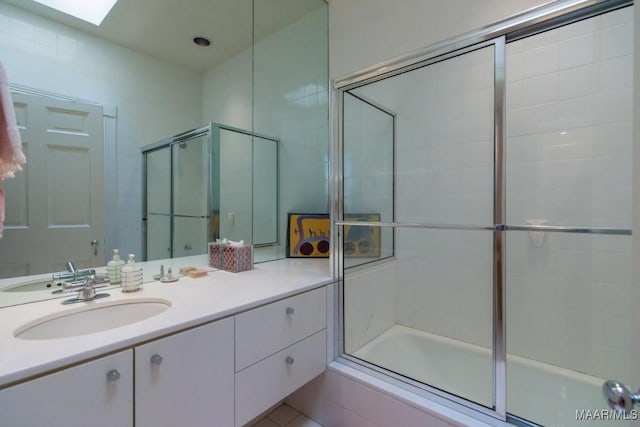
618 396
94 244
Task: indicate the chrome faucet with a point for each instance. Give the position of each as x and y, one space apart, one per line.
70 267
86 289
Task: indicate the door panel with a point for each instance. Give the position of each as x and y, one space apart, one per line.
569 165
55 205
427 313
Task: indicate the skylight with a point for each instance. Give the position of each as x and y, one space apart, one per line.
93 11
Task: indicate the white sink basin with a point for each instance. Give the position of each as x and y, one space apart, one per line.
91 317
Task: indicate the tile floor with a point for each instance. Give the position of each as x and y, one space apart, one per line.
285 416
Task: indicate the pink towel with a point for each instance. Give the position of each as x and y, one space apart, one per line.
11 155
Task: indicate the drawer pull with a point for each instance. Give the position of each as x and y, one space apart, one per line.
290 310
289 360
113 375
156 360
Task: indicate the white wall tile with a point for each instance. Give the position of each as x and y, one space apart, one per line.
578 81
578 51
615 106
540 118
615 41
540 61
540 90
616 73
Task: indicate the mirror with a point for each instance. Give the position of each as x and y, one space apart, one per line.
265 71
186 204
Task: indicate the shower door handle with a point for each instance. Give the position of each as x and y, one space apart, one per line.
618 396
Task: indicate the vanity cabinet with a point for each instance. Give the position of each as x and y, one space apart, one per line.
187 376
222 373
279 347
98 393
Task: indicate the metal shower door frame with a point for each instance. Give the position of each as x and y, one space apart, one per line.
545 17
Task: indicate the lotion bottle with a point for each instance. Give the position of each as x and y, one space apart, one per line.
131 275
114 268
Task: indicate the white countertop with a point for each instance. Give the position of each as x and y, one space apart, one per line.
194 301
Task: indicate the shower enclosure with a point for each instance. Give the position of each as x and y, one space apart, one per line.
211 182
493 174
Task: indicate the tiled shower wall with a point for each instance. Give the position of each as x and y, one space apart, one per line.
568 162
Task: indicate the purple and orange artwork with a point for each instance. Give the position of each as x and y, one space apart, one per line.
308 235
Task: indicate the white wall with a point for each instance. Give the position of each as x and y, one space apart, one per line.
227 92
154 99
290 102
365 32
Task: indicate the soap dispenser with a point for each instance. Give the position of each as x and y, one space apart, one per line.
131 275
114 268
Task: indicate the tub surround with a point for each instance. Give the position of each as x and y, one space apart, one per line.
194 302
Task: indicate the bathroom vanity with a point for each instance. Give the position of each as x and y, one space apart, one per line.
229 347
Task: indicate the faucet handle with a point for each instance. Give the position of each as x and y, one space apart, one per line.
91 281
71 268
97 281
86 289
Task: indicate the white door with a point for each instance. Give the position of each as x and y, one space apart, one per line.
54 207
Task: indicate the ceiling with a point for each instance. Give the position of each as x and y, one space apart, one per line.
164 29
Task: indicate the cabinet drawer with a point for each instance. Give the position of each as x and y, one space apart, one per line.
266 383
263 331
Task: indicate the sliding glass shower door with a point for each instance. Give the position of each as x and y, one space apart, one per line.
418 179
569 172
495 181
177 212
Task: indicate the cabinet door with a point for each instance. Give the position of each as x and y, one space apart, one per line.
186 379
97 393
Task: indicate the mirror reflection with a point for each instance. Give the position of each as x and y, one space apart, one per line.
186 204
129 83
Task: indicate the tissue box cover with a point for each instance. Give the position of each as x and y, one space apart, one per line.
237 258
215 254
